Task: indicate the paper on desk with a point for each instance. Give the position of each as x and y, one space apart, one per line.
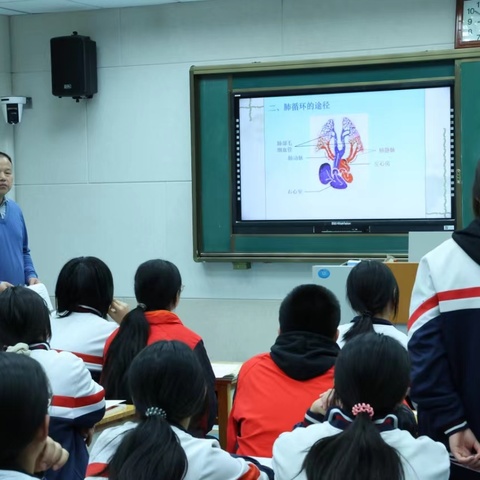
113 403
41 289
226 369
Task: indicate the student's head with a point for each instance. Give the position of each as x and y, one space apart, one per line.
152 450
372 291
24 317
364 371
310 308
371 369
84 282
157 287
6 174
476 192
24 401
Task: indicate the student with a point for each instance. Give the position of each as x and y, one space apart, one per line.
160 446
444 329
25 447
84 295
157 289
274 389
78 402
360 439
372 292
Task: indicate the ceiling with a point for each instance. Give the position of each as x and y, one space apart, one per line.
19 7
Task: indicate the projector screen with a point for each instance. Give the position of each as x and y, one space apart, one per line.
359 161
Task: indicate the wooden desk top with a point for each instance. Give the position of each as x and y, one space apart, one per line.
116 414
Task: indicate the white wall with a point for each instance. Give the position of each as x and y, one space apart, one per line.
111 177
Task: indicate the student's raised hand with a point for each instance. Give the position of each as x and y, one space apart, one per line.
53 456
324 402
465 448
118 310
4 286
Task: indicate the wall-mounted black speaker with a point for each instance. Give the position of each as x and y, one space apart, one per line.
74 66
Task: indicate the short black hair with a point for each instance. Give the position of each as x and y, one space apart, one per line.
310 308
24 317
2 154
84 281
24 399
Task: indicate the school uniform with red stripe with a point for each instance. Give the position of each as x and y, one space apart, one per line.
77 403
84 334
206 460
444 336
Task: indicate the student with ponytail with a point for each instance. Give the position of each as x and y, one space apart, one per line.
372 292
158 285
360 439
168 389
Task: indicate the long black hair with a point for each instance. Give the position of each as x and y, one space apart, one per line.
24 400
157 286
372 369
24 317
371 289
167 386
84 282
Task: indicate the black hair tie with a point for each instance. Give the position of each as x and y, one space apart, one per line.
367 313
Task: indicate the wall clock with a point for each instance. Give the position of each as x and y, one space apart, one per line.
467 27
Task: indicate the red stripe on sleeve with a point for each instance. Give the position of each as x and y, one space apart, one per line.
73 402
86 358
459 294
252 474
97 470
448 295
423 308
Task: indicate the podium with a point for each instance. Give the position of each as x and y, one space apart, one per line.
405 273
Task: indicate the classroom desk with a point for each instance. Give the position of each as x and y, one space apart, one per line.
224 386
115 416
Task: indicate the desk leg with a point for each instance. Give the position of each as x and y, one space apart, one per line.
224 392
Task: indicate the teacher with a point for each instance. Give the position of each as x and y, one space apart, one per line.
16 266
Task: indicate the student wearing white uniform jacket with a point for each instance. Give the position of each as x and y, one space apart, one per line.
372 292
78 402
168 388
360 439
84 296
25 448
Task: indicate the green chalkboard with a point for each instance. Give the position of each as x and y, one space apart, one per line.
211 89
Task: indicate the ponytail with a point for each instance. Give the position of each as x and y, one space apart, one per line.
132 337
372 290
358 452
148 452
361 325
363 373
168 387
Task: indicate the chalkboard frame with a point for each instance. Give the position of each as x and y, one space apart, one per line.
210 89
